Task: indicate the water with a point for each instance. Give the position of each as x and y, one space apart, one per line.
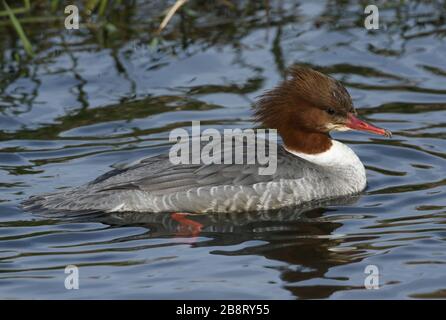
91 100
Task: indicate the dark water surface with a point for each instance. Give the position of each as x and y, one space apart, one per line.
95 98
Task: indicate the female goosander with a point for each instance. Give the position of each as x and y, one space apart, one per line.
304 109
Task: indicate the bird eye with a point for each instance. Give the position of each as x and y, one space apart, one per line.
330 111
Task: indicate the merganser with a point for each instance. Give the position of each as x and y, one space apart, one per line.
304 109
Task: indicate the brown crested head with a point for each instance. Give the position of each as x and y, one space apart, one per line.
305 107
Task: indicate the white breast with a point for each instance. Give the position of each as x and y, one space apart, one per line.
343 162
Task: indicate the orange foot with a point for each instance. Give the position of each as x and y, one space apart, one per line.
187 226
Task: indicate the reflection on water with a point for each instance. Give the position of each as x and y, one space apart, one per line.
98 98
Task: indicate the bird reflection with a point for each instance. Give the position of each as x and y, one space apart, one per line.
303 237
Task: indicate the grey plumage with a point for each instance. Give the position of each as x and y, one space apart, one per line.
156 185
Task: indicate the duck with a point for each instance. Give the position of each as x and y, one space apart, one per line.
304 109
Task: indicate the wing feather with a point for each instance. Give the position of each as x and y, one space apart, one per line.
150 176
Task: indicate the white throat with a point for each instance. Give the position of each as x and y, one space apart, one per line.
343 163
338 155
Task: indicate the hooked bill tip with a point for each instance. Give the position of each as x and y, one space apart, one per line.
387 133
